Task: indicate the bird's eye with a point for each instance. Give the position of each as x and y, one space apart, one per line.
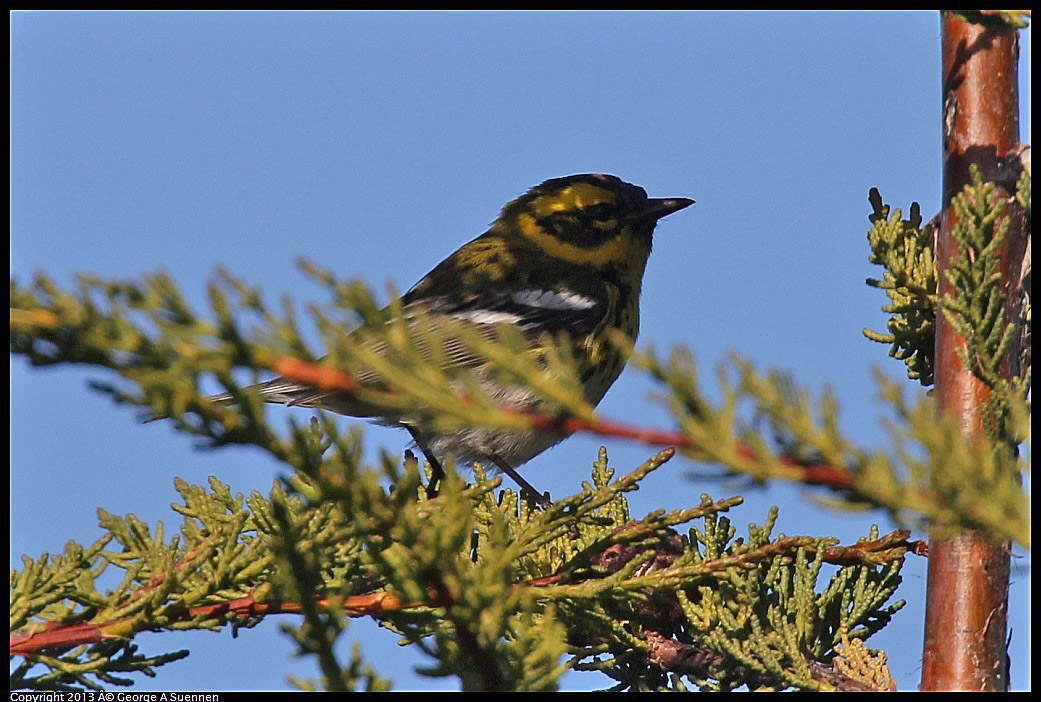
602 211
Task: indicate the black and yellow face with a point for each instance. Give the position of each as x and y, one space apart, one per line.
591 219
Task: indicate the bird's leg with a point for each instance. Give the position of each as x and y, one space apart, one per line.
542 498
437 473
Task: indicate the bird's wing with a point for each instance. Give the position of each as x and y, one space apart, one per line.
534 311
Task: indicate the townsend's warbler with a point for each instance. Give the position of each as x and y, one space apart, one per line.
567 256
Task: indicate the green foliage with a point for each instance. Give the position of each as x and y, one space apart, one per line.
976 306
493 591
1011 19
60 588
1023 187
906 250
968 484
932 475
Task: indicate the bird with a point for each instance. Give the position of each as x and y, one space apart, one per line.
568 256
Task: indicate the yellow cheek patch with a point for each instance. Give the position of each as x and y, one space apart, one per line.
619 249
571 198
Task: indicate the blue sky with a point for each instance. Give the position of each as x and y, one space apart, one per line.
377 143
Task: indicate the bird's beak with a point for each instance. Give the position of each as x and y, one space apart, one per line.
659 207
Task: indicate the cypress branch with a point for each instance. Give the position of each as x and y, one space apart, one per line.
491 589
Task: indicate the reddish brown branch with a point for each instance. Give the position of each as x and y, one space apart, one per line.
967 587
58 635
835 477
63 636
882 550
